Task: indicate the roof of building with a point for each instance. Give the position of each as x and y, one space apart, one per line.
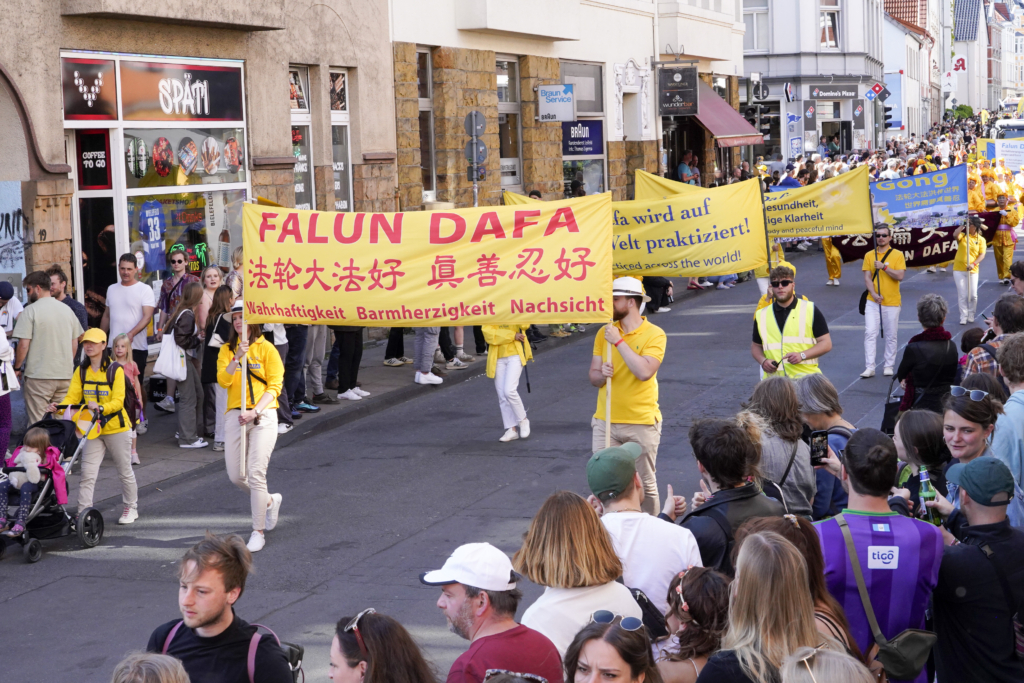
1003 11
965 19
909 26
908 11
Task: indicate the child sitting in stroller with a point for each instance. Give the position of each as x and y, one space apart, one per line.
36 441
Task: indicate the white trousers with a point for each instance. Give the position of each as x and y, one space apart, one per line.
762 284
221 395
506 382
259 441
966 293
890 319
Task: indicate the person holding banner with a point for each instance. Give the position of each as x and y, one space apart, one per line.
1005 239
790 344
639 348
884 269
251 433
970 252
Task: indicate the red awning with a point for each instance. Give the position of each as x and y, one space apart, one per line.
723 122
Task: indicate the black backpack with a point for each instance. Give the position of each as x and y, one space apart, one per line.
131 401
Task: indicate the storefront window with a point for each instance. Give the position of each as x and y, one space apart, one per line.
304 197
829 24
158 157
339 94
507 73
342 177
583 177
588 86
583 157
426 111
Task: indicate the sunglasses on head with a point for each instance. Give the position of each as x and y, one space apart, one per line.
781 283
604 616
491 673
808 656
974 394
353 626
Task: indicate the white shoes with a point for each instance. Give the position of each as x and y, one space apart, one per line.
129 515
359 392
256 542
834 282
427 378
284 428
510 435
198 443
524 429
350 395
869 372
971 319
942 270
932 270
664 309
273 510
963 321
887 372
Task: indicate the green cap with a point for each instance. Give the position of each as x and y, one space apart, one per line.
986 479
611 470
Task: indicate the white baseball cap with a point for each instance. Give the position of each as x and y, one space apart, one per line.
628 286
480 565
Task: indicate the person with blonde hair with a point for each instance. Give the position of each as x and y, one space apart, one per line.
234 279
813 665
569 552
771 613
147 667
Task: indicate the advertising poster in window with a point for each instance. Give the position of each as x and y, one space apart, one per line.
303 169
157 157
153 91
89 87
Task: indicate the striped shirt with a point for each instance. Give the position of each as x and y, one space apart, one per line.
899 557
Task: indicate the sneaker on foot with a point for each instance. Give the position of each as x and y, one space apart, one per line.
129 515
438 356
273 510
135 457
931 270
835 282
296 415
218 446
455 364
438 370
142 427
350 395
869 372
963 321
324 399
524 428
358 391
305 407
198 443
510 435
427 378
407 361
664 309
942 269
465 357
391 363
721 285
166 405
331 383
256 542
284 428
970 319
887 372
16 530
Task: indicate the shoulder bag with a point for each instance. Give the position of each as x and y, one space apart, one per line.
892 408
171 361
904 656
865 294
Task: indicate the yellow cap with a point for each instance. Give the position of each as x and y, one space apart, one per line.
95 334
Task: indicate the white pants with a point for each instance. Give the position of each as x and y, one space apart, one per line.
966 293
506 382
259 441
762 284
119 446
221 395
890 319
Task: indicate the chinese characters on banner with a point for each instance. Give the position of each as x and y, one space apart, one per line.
550 263
929 200
921 248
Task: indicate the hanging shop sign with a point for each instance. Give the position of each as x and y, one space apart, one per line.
833 92
93 149
677 92
580 138
555 102
153 91
89 88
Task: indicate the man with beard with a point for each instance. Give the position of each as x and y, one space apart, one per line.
211 642
638 350
48 332
790 344
479 599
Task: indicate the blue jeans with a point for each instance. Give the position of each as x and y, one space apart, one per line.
723 279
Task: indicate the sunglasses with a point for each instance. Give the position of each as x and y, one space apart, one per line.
353 626
880 235
781 283
177 260
604 616
491 673
974 394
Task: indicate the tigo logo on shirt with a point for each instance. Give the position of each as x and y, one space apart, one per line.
883 556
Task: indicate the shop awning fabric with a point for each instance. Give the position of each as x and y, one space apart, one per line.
723 122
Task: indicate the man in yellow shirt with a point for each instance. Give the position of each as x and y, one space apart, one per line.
884 268
1005 239
638 348
970 252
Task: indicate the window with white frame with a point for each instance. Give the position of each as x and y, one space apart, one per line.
507 72
829 23
341 162
424 76
298 83
755 18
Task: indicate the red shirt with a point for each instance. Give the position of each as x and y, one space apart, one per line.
518 649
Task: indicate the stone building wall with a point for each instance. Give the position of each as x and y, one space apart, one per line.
410 174
541 141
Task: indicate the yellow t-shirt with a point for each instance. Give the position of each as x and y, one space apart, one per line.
110 398
633 401
885 285
975 200
976 246
264 362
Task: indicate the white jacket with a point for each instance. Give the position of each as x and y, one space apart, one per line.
8 380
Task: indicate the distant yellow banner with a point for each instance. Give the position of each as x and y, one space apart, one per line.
837 206
550 263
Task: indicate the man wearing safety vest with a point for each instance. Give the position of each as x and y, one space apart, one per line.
791 334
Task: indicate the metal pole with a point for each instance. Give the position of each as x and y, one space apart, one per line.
245 367
476 172
608 400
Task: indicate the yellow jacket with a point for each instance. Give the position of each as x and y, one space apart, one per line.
110 398
975 200
501 341
266 373
1012 217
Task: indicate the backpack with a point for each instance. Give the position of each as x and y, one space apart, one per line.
131 401
292 652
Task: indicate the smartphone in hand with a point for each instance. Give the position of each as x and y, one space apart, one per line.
819 447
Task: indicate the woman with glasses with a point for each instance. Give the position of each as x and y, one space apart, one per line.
374 648
611 649
771 614
568 551
811 665
170 293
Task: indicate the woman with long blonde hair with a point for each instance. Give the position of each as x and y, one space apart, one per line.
568 551
211 279
771 613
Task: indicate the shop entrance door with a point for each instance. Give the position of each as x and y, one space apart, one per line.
830 129
846 135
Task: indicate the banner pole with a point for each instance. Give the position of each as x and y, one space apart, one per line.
245 368
764 213
608 399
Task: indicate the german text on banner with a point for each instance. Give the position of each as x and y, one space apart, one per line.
550 263
929 200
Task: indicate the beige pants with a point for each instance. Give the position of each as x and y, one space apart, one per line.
120 448
259 444
39 393
648 436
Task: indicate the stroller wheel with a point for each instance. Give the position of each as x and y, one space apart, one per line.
90 527
33 551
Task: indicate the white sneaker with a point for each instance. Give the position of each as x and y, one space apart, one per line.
350 395
198 443
360 392
970 319
524 429
931 270
465 357
829 283
284 428
887 372
438 356
835 282
942 270
455 364
273 510
135 458
510 435
256 542
129 515
166 405
427 378
664 309
963 321
142 427
218 446
869 372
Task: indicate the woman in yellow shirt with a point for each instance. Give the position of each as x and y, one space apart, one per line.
970 251
89 386
263 383
507 354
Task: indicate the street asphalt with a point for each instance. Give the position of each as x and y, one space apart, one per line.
371 504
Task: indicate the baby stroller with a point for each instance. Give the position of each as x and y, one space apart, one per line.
46 518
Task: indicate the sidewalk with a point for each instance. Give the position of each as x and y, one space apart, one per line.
162 459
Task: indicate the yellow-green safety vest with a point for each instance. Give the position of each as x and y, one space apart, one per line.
797 337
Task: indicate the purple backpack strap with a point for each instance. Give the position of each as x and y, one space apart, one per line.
170 637
254 645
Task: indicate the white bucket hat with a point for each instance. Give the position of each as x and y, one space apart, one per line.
628 286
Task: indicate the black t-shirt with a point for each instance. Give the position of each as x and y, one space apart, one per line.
724 667
819 325
223 658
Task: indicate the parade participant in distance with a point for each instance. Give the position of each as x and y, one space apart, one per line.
263 383
507 355
975 197
970 252
1005 239
784 343
638 350
884 268
479 599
